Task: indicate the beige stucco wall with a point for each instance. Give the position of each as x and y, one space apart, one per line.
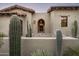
5 20
28 45
52 21
56 20
28 14
4 24
28 17
37 17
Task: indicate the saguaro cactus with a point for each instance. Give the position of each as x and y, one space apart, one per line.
29 30
74 29
27 35
15 36
58 43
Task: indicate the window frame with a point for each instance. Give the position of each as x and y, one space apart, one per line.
64 21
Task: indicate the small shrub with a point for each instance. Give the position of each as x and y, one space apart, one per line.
71 52
2 34
39 52
1 39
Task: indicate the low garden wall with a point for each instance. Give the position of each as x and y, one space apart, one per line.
28 45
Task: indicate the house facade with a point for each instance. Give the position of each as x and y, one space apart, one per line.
42 24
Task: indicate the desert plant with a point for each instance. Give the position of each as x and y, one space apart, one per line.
27 35
40 52
29 30
71 52
15 36
74 29
1 39
58 43
2 34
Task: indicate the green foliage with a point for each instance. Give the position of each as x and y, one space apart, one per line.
40 52
2 34
58 43
15 36
71 52
74 29
1 39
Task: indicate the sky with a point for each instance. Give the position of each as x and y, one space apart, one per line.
38 7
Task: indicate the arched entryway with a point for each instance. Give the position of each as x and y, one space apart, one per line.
41 24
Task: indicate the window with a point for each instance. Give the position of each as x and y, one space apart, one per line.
41 24
64 21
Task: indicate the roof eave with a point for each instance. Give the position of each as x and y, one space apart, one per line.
63 8
19 7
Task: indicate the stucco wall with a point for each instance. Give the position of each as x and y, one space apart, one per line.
28 14
37 17
5 20
4 24
28 45
52 21
28 17
56 20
